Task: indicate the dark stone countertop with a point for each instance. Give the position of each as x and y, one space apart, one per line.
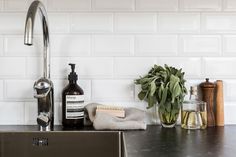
176 142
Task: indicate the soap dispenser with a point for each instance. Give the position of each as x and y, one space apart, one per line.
72 102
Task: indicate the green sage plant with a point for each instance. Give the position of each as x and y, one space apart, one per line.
164 86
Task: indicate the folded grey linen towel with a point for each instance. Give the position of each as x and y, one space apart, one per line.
134 119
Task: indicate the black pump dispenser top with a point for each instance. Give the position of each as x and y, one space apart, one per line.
72 76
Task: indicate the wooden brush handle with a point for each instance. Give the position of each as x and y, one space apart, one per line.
219 103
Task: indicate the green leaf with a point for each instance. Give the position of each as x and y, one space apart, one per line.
142 95
153 88
164 96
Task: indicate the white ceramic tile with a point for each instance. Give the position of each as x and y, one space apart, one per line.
1 5
70 45
121 90
191 66
19 89
59 85
12 67
156 45
59 67
69 5
1 90
34 67
200 45
31 113
58 22
135 22
15 5
12 113
229 47
113 45
229 112
229 5
200 5
179 22
58 113
157 5
132 67
1 45
219 22
220 67
12 23
91 22
111 5
229 89
94 67
14 46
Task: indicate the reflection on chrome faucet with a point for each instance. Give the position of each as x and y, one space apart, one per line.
44 86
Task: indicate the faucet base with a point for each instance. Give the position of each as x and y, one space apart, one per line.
47 128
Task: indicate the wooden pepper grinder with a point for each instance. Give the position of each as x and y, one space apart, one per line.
208 97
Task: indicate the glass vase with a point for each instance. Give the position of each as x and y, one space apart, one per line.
168 119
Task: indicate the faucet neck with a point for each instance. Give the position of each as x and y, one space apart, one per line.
35 7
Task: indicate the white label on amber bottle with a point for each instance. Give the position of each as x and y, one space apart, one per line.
74 106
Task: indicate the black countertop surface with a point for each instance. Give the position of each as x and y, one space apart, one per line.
176 142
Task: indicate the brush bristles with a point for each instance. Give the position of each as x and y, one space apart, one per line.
112 110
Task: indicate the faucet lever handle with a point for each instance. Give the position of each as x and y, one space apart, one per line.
42 87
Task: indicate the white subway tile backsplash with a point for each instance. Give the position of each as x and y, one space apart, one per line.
91 22
229 5
34 67
1 90
15 5
111 90
14 46
219 22
12 23
69 5
132 67
31 113
229 47
1 5
229 110
156 45
94 67
229 90
12 67
220 67
70 45
157 5
1 45
200 5
111 5
178 22
15 110
60 67
200 45
113 45
19 89
112 42
190 65
135 22
59 22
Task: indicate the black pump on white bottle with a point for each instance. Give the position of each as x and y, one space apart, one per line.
72 102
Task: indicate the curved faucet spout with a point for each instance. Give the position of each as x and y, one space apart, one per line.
35 7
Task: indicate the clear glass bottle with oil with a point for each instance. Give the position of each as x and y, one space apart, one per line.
193 112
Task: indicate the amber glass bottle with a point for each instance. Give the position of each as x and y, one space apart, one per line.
72 102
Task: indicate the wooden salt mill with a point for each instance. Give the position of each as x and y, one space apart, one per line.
208 97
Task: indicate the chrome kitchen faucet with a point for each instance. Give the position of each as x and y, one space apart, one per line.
43 87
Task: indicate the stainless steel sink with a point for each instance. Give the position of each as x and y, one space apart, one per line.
62 144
